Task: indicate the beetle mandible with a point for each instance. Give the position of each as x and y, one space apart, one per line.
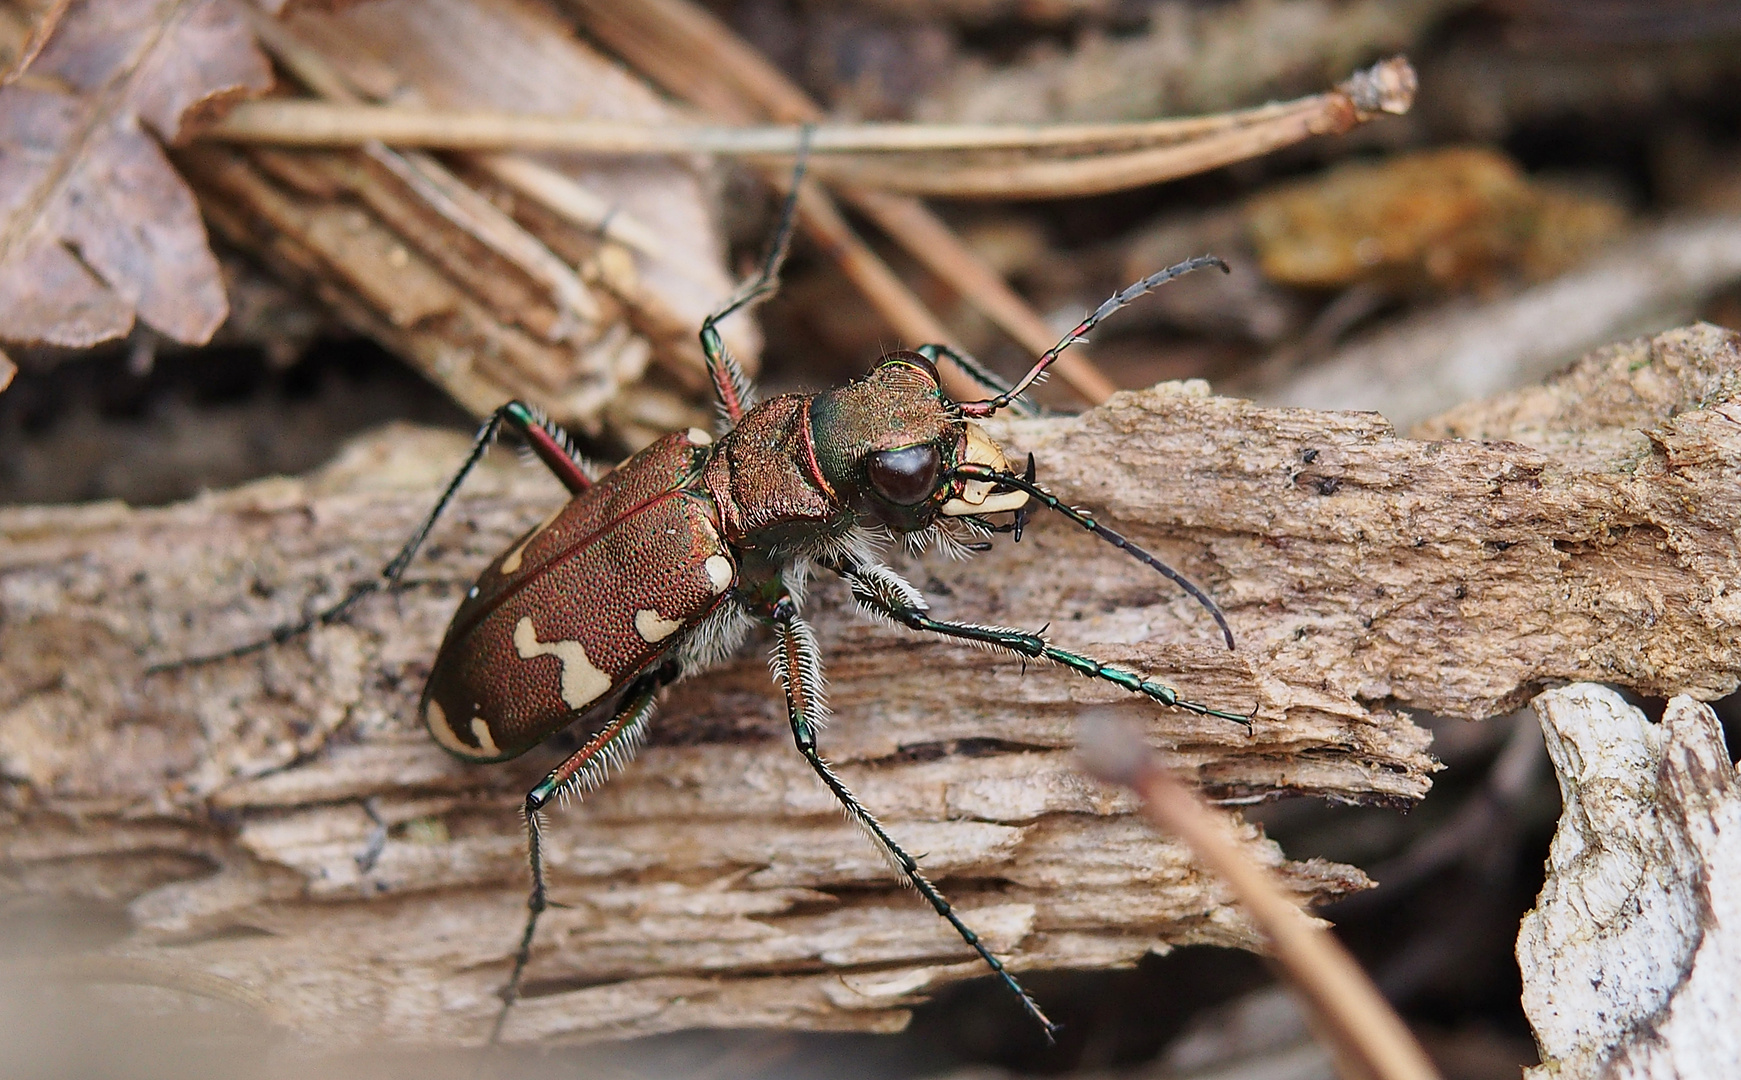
658 569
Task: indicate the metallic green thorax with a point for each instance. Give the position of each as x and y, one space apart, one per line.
899 404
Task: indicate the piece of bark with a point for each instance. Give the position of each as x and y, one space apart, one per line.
477 344
1630 957
1465 349
411 52
225 807
1190 60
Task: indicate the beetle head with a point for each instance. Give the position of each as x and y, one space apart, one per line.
887 444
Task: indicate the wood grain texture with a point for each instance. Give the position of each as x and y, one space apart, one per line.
222 809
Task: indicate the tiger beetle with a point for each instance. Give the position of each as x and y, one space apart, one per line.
656 570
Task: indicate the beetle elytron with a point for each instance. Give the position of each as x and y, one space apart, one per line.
657 570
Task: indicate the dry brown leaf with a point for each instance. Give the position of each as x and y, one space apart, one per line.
96 228
25 26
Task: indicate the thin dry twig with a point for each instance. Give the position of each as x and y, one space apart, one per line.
557 192
915 159
1357 1020
694 56
298 122
1386 88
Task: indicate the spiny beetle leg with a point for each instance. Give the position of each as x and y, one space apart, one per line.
730 384
585 768
979 373
797 667
547 441
1027 644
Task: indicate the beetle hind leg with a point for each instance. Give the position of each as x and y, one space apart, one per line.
798 670
584 770
547 441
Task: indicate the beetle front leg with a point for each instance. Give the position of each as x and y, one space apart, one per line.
797 667
884 592
584 770
730 386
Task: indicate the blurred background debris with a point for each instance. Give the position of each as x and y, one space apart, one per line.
181 314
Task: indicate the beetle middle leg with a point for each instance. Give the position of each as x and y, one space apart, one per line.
548 442
884 592
584 770
797 667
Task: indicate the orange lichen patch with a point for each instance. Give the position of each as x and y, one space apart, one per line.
1442 219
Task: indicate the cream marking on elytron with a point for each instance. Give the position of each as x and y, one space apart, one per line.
654 627
481 732
444 733
719 572
699 437
582 684
511 563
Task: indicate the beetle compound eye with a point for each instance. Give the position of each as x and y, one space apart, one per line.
905 476
917 361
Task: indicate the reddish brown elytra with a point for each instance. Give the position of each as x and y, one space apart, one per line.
657 570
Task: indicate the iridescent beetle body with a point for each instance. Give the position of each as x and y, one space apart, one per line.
657 570
624 578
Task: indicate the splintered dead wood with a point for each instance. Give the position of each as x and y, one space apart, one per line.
714 883
475 270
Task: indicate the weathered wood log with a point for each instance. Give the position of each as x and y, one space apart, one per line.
223 809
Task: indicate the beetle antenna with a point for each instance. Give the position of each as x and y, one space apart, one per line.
1082 518
1118 300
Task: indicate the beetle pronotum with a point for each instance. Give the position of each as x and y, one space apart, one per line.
658 569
